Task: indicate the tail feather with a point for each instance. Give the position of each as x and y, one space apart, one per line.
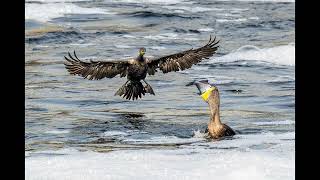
149 89
133 90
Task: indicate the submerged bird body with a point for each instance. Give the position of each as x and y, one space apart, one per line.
137 69
210 94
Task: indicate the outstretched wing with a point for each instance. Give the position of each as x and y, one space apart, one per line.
95 70
183 60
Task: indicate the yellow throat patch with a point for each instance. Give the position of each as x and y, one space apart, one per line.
206 94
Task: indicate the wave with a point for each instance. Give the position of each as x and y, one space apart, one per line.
44 12
283 55
150 14
61 37
193 9
282 79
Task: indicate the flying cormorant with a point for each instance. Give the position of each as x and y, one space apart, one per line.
136 69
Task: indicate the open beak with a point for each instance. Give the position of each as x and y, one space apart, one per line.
204 88
202 85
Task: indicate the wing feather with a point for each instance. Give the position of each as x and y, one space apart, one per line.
95 70
183 60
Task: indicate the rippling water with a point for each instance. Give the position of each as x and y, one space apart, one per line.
76 124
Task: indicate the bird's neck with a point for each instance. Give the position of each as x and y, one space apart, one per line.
214 106
140 58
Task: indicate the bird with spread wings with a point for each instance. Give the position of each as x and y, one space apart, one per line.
136 69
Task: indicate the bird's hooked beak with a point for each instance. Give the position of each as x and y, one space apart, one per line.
205 89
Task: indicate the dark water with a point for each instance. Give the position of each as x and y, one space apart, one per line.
257 89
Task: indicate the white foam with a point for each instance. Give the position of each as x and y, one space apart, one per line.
227 14
191 39
205 29
57 132
193 9
46 12
204 160
199 134
164 36
114 133
284 55
157 47
122 46
128 36
231 20
83 44
254 18
238 9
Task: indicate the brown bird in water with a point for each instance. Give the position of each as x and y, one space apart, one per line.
210 94
136 69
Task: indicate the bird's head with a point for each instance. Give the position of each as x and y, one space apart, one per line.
142 51
205 89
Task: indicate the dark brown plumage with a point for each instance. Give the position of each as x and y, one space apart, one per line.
136 69
216 129
185 59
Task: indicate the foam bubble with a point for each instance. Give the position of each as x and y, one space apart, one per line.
284 55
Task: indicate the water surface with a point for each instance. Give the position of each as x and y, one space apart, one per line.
79 125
